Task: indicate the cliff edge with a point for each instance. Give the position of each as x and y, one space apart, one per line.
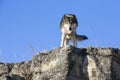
67 63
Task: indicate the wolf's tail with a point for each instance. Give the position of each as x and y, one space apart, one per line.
81 37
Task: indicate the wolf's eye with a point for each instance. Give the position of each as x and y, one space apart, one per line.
68 23
75 24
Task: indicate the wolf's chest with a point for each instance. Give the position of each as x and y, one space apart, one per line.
70 36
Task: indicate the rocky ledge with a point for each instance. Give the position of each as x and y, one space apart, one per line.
67 63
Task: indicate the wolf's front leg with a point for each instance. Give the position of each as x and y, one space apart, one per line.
62 40
66 42
74 41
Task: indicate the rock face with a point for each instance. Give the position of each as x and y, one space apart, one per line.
67 63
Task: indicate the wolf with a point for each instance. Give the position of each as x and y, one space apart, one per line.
68 27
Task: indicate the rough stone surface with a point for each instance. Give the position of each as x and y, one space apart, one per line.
68 63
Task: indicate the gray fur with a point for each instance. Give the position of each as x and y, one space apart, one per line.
68 27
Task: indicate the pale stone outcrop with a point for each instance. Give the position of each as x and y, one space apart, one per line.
68 63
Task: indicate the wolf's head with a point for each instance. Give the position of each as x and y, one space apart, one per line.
68 23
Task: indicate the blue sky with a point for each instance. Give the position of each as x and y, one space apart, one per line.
36 22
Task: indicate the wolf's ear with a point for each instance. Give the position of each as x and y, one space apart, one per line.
65 17
63 20
75 19
74 16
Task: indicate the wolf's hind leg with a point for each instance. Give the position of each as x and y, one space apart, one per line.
74 42
66 42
